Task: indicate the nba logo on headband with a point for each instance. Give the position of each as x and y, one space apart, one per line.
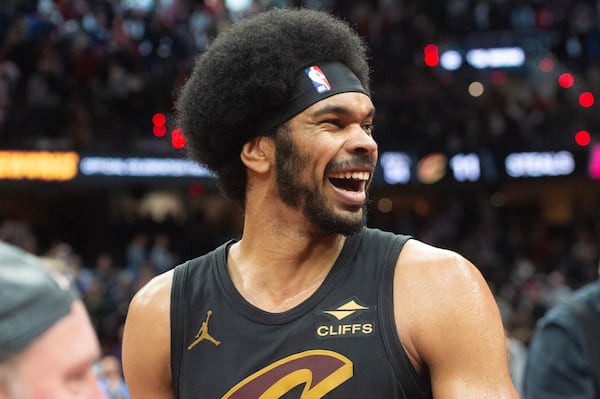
318 79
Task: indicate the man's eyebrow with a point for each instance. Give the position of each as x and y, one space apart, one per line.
339 109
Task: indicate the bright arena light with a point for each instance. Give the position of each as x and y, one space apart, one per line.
238 5
501 57
451 60
484 58
476 89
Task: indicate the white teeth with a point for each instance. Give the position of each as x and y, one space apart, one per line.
352 175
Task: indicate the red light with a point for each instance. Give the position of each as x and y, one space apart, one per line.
159 119
544 19
586 99
430 48
195 190
498 78
546 64
177 139
583 138
594 166
432 56
566 80
432 59
159 131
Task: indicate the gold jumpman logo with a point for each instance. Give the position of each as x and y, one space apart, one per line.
203 333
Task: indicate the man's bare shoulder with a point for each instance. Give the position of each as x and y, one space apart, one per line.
434 266
149 311
154 295
433 285
448 322
146 340
428 282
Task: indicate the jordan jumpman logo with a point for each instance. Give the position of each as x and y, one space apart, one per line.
203 333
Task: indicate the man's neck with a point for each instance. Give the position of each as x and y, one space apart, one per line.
278 267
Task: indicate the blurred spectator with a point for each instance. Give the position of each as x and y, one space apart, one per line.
564 354
99 308
517 357
94 72
161 256
113 64
47 344
137 254
111 378
10 75
556 290
81 275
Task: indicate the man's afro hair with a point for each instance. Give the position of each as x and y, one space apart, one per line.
246 73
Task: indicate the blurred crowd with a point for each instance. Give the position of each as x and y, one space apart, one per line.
89 75
530 264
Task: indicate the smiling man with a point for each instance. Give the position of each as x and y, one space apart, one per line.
309 303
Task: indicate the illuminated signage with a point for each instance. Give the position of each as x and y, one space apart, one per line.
396 167
504 57
142 167
484 58
594 166
465 167
432 168
38 165
538 164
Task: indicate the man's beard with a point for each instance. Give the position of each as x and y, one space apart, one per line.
289 166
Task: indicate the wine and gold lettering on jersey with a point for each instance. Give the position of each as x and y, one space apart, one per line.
321 371
345 330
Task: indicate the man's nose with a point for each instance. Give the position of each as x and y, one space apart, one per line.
362 141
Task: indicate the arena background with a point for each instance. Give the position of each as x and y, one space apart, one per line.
487 125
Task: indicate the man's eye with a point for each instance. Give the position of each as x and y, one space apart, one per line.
369 128
334 122
79 381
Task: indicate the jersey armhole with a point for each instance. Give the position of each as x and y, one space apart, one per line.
413 384
177 327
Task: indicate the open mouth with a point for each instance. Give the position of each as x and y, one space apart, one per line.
350 181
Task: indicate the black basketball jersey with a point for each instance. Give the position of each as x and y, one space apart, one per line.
339 343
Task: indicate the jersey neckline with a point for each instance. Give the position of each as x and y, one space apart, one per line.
251 312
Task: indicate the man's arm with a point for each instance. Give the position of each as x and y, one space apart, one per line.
449 324
147 341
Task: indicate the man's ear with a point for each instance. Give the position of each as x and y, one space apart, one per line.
258 154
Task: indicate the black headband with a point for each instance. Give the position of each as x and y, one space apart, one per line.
314 84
